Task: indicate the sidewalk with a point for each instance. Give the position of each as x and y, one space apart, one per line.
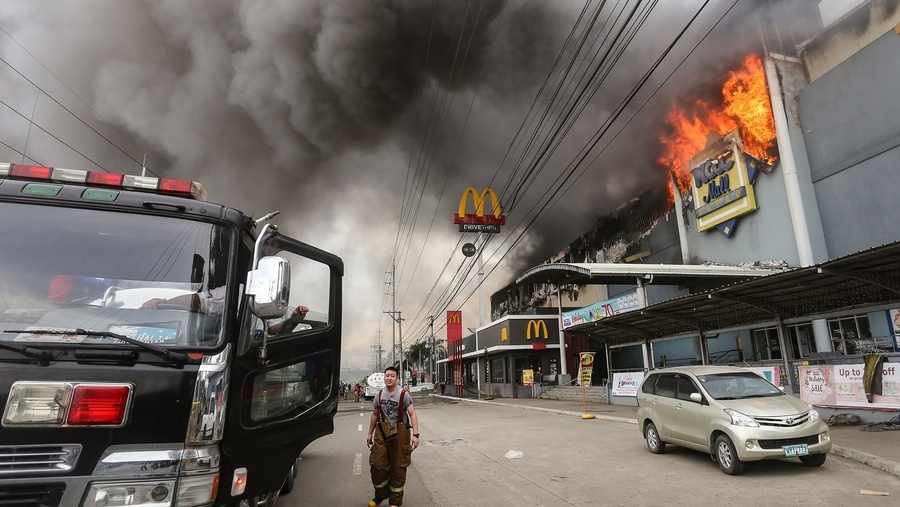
879 449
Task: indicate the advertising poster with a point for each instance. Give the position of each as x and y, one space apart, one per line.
842 386
894 326
626 383
770 373
586 367
601 310
528 377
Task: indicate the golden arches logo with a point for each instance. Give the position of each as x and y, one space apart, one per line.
495 216
537 325
454 318
504 335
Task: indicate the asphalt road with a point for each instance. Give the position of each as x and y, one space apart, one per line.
565 461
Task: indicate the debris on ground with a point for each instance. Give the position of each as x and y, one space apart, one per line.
892 425
844 419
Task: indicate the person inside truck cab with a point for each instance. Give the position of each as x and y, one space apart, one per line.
212 302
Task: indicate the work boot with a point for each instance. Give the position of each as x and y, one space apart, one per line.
373 503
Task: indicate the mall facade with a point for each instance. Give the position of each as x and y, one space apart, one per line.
779 259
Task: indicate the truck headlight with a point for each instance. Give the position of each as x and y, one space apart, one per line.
133 494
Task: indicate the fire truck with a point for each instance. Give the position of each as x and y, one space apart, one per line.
150 351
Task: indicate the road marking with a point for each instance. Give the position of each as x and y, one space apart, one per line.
357 464
359 427
362 414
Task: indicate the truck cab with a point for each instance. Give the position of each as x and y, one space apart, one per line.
148 350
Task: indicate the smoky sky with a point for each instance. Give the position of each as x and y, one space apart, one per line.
326 110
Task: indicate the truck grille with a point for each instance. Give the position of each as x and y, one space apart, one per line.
31 495
25 459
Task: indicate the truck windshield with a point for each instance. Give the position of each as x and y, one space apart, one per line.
69 268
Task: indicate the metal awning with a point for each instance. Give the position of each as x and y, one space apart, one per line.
624 274
865 281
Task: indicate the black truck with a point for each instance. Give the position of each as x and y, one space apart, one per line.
150 354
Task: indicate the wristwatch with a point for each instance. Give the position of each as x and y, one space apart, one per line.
416 435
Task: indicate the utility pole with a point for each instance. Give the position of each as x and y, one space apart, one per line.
393 294
377 347
396 317
432 365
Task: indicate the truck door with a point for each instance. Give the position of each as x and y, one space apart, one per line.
282 391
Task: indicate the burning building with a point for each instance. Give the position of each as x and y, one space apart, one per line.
790 169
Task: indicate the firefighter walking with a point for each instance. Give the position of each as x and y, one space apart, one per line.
390 439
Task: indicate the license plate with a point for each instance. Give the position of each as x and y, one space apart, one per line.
792 451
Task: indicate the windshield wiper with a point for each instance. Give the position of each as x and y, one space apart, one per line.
170 355
25 350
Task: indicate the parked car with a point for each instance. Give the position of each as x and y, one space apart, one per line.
732 413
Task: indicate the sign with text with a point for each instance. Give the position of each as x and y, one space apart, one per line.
601 310
626 383
478 221
586 367
842 385
722 190
528 377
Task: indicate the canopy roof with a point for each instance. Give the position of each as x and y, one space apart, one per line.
865 281
615 274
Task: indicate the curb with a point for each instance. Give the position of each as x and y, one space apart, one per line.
885 465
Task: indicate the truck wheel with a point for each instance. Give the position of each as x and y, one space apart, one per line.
291 479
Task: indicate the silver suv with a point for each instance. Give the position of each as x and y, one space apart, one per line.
733 414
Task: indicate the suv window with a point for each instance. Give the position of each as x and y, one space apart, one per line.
666 386
649 384
685 388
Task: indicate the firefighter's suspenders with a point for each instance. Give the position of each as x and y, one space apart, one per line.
400 410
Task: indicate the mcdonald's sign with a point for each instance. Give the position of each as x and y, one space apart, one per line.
537 326
478 221
454 326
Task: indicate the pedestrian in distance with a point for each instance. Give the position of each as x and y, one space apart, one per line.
390 441
356 390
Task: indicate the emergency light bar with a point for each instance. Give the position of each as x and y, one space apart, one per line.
166 186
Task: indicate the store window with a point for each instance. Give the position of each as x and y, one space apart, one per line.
765 344
528 362
802 342
499 369
852 335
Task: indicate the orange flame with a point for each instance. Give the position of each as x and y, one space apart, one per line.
745 106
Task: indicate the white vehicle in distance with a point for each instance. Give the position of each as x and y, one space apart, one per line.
374 383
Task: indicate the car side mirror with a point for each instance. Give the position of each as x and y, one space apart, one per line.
270 286
696 397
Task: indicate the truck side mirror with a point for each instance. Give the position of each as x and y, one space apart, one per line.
270 286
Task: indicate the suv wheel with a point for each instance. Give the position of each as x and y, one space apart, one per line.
813 460
727 456
654 443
